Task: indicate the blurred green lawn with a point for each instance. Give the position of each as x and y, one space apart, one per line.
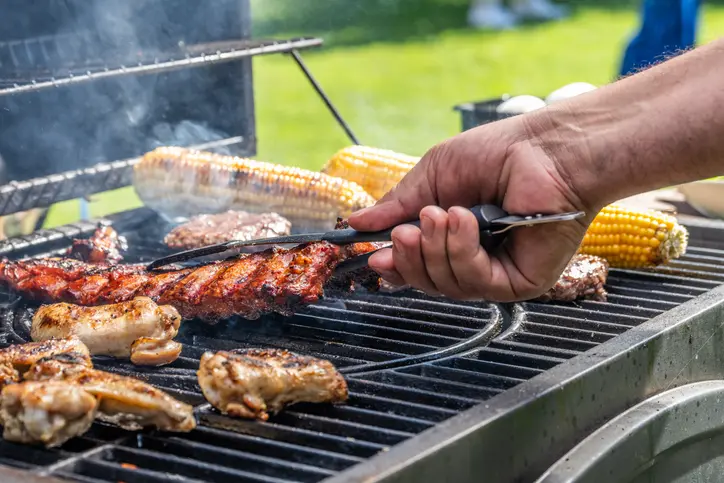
395 69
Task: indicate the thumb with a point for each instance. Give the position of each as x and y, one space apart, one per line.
402 203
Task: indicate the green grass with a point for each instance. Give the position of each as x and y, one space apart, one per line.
396 68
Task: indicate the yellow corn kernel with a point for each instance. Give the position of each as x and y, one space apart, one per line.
638 239
180 182
376 170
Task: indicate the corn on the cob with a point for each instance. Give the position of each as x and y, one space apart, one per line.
629 238
179 182
376 170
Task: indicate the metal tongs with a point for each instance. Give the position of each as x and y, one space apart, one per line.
493 222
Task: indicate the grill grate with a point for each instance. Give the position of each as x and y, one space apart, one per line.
191 56
308 443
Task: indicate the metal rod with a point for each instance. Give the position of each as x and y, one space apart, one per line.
263 48
298 58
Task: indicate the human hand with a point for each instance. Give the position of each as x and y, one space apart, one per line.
499 163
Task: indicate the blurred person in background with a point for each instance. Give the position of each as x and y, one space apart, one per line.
493 14
667 27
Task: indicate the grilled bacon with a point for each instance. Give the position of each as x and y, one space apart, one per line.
275 280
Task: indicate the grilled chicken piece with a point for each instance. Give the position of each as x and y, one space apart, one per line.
255 382
125 401
20 357
48 412
204 230
112 329
147 351
104 246
583 278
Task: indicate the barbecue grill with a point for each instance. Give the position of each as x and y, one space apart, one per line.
439 390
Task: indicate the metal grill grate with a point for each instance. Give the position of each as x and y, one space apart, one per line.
191 56
308 442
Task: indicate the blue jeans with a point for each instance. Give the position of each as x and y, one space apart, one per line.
667 26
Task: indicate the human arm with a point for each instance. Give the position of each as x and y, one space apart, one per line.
657 128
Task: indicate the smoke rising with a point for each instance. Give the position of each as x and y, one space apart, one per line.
77 126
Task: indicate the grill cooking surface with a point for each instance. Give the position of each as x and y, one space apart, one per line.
387 405
19 54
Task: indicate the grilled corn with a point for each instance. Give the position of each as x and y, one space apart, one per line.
630 238
180 183
376 170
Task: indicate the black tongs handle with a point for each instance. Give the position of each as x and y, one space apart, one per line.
484 214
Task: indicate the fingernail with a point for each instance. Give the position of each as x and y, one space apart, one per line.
453 222
427 226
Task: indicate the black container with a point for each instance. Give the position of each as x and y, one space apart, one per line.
474 114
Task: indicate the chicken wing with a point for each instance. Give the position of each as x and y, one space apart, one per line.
112 329
125 401
20 357
255 382
48 412
147 351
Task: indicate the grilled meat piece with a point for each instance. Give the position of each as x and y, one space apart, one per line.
125 401
204 230
365 276
252 383
583 278
275 280
104 246
48 412
149 351
21 356
111 329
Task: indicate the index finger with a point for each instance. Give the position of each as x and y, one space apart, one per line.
402 203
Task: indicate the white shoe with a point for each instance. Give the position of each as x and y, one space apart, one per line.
539 10
491 16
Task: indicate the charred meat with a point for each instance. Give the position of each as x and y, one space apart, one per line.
104 246
21 356
252 383
49 412
113 329
365 276
206 230
125 401
275 280
583 278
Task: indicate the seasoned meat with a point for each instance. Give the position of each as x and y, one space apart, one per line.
255 382
583 278
110 329
125 401
20 357
275 280
104 246
365 276
149 351
48 412
206 230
